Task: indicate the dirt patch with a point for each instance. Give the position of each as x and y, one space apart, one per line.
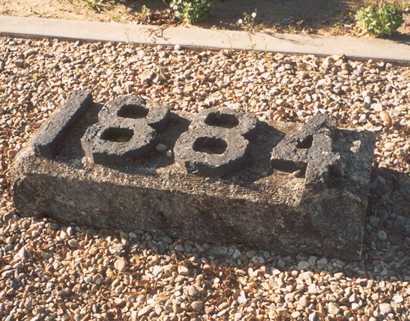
296 15
328 17
60 9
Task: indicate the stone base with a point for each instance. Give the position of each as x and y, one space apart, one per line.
256 205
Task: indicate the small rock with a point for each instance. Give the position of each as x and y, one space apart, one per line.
70 231
183 270
384 308
389 146
314 316
19 63
295 314
302 303
63 235
156 270
120 264
377 107
313 289
21 255
158 310
367 100
161 148
191 291
321 263
144 310
382 235
116 248
197 306
29 52
303 265
73 243
374 220
386 119
147 76
242 298
397 298
332 308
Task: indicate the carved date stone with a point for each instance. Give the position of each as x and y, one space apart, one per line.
218 176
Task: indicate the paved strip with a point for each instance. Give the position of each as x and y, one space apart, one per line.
195 37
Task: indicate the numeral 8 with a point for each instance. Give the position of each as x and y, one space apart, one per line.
214 144
126 128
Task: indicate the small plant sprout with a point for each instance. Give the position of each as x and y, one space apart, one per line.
382 19
247 22
145 11
97 5
190 11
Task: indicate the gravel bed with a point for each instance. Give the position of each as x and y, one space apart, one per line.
54 272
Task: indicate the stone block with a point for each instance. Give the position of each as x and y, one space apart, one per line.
218 176
51 134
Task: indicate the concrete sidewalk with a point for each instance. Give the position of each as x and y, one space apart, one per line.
195 37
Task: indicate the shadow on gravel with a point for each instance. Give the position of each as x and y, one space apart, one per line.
299 14
388 227
401 38
311 13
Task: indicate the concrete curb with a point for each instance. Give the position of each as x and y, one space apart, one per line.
195 37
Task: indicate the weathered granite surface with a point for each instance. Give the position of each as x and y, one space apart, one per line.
229 192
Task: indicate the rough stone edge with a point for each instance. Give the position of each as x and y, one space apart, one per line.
195 37
23 164
45 141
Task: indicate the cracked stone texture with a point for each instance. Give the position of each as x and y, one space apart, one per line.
257 206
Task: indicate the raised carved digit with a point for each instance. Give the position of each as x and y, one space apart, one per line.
126 128
309 151
215 144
